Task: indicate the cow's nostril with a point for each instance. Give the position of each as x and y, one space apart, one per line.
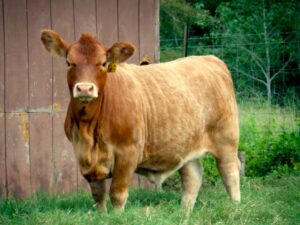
85 90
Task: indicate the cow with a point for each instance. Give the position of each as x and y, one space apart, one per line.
153 119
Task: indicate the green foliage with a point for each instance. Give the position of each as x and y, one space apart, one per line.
175 13
271 139
211 173
257 39
263 202
263 49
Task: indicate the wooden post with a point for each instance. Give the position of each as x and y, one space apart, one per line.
185 40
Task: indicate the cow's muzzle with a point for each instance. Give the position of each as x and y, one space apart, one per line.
85 92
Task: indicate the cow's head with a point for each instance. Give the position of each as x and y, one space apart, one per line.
87 62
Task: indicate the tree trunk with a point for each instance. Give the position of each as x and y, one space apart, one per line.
267 49
185 39
269 93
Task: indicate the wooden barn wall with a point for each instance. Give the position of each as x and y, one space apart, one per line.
35 156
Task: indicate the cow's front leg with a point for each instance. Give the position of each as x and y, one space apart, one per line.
125 165
98 189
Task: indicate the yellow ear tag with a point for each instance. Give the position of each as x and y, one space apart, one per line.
112 67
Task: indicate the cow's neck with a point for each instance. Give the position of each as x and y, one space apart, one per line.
86 117
85 132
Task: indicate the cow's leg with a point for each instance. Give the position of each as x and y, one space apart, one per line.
98 189
229 168
191 178
228 164
124 167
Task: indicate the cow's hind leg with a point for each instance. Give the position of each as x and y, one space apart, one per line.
230 173
228 163
191 178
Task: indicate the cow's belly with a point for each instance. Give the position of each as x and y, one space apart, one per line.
158 168
170 149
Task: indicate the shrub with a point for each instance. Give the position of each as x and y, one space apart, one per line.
271 139
281 155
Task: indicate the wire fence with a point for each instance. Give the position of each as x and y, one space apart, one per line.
246 54
248 60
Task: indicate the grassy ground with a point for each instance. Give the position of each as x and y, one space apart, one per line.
264 201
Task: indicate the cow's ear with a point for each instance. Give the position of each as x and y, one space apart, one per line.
120 51
54 43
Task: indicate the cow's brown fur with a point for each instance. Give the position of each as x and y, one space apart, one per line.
152 119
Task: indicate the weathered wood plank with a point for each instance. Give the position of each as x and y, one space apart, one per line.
107 21
1 59
2 157
2 115
63 23
147 32
17 154
16 56
40 64
128 12
41 163
65 168
65 173
82 182
85 17
156 32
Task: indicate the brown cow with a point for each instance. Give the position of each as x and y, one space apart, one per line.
153 120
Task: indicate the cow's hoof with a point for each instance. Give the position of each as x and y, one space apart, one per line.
100 208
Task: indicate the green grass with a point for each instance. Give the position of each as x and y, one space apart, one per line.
263 118
264 201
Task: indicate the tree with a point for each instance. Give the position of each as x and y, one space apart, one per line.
266 50
175 13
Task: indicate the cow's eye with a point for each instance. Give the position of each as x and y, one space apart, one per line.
68 64
101 64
